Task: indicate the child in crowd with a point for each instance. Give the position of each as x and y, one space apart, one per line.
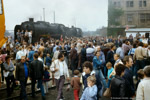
90 93
48 60
140 74
75 83
110 70
87 71
46 79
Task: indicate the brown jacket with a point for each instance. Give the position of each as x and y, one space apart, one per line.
73 54
75 83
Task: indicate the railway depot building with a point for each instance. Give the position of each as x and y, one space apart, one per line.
135 14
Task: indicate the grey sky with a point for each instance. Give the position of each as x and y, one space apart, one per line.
86 14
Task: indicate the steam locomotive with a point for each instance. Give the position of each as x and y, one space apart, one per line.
42 29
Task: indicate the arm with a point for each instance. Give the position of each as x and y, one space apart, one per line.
122 90
72 83
17 72
103 58
92 91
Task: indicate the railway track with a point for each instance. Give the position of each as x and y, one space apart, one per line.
28 92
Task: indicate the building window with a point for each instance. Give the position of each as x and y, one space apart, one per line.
130 18
142 18
117 4
142 3
129 4
145 17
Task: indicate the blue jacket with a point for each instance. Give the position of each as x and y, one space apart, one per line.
96 62
31 54
48 60
90 93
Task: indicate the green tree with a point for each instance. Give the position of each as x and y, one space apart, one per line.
114 13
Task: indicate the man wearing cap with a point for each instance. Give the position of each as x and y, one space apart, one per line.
22 72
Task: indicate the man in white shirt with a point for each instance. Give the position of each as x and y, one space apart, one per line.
60 68
19 54
143 89
30 37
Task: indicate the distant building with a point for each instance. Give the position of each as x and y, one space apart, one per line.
136 13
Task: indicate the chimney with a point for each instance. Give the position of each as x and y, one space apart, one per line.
31 19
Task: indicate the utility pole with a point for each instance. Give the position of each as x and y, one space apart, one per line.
44 14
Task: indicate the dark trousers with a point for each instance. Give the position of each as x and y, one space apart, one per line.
2 69
10 80
59 85
23 95
73 66
79 60
39 85
140 64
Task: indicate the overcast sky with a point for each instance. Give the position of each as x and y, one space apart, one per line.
86 14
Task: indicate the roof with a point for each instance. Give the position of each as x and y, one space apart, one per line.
138 30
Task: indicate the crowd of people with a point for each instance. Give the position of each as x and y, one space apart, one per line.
95 67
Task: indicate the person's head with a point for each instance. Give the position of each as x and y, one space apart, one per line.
30 48
61 56
89 45
7 59
23 59
40 54
128 61
141 44
109 65
57 43
120 44
76 72
120 69
46 68
140 73
48 55
36 56
91 80
87 67
57 49
98 48
97 53
113 47
147 71
116 57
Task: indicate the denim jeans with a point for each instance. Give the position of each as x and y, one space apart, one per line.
101 76
23 95
39 85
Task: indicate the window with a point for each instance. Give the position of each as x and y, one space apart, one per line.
142 3
142 18
129 4
1 10
117 4
130 18
148 17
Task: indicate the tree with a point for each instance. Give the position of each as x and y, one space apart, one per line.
113 15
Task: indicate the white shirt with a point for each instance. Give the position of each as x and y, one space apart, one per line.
62 68
30 34
90 50
143 90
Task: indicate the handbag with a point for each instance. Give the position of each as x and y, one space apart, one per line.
107 92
